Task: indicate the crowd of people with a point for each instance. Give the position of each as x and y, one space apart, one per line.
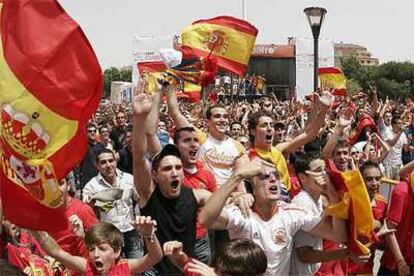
235 85
230 187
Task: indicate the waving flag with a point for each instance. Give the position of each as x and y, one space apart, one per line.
333 78
51 84
355 206
230 39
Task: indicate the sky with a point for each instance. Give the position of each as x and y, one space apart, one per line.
383 26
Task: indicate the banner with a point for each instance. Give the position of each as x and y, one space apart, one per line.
304 63
51 84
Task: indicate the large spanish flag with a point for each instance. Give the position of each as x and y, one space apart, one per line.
333 78
51 84
355 207
230 39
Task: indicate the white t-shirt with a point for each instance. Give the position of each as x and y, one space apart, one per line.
274 236
385 131
395 154
305 200
220 156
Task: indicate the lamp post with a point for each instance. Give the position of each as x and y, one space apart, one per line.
315 17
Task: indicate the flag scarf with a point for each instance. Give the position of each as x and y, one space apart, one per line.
230 39
355 206
333 78
51 85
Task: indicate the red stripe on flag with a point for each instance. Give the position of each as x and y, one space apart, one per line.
233 66
151 66
329 70
231 22
47 51
27 212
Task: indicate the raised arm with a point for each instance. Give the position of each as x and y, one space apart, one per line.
343 122
212 216
312 130
52 249
142 104
173 109
151 124
385 148
146 226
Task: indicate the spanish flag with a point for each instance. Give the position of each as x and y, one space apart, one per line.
151 71
355 207
51 84
230 39
193 91
333 78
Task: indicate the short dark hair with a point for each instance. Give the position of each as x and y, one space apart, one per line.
240 257
369 164
395 118
302 161
340 144
177 134
253 121
104 232
90 125
102 151
209 113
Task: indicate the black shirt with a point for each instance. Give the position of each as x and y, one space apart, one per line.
176 220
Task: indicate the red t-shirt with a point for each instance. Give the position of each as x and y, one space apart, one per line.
379 212
121 268
332 268
401 213
67 239
202 179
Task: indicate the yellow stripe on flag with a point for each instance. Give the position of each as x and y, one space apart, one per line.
25 105
234 45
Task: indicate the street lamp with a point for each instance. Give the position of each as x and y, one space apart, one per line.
315 17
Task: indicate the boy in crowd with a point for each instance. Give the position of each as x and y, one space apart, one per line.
104 242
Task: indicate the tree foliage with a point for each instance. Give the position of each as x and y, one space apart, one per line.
393 79
114 74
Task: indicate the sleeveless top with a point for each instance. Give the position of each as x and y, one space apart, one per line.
176 220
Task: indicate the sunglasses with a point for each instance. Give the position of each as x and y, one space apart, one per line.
268 174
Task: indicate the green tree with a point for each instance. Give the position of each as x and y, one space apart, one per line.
114 74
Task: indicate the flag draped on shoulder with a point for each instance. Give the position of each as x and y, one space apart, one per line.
51 84
230 39
333 78
355 206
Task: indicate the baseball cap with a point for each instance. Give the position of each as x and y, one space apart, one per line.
168 149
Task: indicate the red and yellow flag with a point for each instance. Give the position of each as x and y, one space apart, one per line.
355 207
153 70
333 78
230 39
51 84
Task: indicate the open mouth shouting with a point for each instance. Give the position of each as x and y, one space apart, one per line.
274 189
174 184
193 154
269 138
98 265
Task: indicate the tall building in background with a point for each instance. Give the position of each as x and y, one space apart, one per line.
354 50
